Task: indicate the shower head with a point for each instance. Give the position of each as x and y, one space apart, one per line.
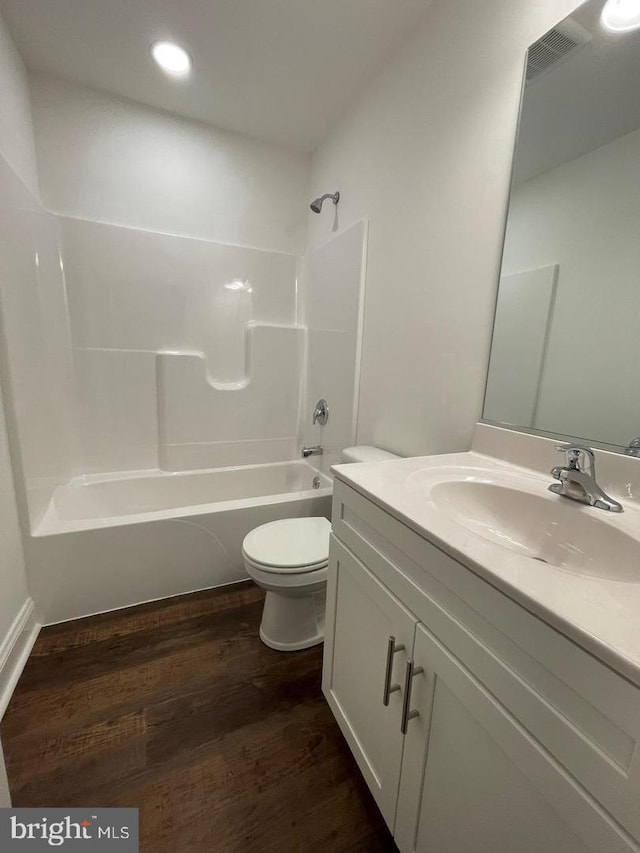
316 204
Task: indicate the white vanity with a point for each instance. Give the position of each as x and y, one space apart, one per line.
487 681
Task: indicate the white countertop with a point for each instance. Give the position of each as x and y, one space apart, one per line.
599 614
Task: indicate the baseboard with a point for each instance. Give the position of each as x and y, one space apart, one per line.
15 650
246 580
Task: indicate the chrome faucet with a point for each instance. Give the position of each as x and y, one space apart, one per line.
317 450
633 448
578 478
321 413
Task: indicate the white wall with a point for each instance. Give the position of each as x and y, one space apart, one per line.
16 165
584 216
16 130
425 155
13 580
110 160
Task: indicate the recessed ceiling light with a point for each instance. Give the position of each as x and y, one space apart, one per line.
171 58
621 15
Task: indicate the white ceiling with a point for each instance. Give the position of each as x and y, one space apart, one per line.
278 70
587 101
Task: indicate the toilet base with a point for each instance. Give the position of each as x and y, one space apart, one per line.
291 647
293 622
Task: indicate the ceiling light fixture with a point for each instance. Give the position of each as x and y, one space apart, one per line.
621 15
172 58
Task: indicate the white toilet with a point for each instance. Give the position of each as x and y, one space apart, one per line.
289 559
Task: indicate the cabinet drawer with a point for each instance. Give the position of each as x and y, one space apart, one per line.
583 713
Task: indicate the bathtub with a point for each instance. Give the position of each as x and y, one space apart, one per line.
108 541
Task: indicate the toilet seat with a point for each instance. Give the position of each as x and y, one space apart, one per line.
279 570
289 546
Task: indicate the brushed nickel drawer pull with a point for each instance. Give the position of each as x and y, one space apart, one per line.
389 688
407 715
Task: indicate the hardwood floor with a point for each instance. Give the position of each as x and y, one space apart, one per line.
177 708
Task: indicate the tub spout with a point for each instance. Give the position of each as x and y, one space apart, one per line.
312 451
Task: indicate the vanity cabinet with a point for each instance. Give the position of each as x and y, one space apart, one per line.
499 733
368 617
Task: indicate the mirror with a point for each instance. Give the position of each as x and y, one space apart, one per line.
565 355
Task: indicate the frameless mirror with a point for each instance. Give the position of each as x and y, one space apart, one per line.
565 356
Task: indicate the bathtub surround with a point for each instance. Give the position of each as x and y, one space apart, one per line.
194 411
151 390
334 278
134 289
187 352
37 354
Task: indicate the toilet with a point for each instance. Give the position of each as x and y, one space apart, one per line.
289 559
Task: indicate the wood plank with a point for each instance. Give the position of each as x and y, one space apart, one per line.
131 620
177 708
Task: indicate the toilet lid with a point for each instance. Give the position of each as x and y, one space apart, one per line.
290 544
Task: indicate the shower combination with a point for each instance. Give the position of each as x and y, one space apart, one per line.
316 204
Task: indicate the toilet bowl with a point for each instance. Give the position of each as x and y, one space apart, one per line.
289 560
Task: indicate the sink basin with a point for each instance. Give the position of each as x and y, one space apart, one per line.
522 516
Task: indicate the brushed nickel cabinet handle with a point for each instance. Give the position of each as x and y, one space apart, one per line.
407 714
389 688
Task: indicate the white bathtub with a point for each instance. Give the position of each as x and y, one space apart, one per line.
110 500
114 541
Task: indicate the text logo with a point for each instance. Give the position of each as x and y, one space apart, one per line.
26 830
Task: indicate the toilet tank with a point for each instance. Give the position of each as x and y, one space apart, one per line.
365 453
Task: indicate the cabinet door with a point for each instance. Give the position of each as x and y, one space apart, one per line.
362 616
475 780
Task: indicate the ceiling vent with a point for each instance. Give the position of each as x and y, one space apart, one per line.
554 47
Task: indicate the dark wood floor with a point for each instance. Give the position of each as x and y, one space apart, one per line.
177 708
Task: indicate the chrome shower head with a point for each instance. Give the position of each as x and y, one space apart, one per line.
316 204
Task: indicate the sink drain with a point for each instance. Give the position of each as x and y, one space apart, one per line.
541 560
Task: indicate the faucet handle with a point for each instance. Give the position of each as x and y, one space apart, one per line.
321 413
579 457
633 448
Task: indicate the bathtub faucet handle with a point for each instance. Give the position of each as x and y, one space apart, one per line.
317 450
321 413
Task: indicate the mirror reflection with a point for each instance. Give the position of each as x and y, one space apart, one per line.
565 357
